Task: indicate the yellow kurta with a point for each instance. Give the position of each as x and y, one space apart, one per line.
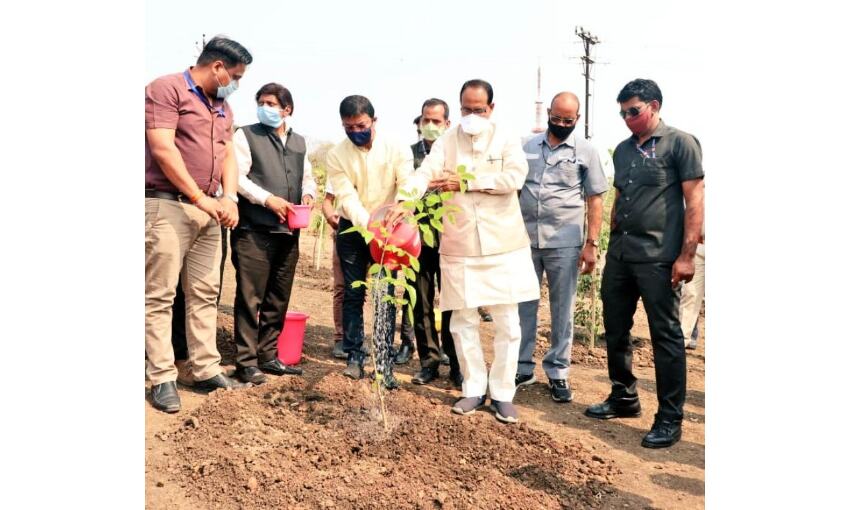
365 180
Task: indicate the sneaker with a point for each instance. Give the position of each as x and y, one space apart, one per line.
338 352
468 405
354 370
560 391
505 411
524 380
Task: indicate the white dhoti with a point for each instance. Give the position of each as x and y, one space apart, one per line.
498 282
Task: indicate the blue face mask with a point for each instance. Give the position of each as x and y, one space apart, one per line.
270 116
223 92
360 138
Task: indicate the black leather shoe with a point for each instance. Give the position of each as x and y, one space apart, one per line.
276 367
456 379
404 354
219 382
614 408
444 358
426 375
164 397
251 375
664 433
338 352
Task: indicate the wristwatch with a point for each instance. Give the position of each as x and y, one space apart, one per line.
233 197
593 242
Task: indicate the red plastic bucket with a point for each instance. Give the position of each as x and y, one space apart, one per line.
300 218
290 342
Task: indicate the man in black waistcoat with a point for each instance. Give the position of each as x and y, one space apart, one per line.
274 174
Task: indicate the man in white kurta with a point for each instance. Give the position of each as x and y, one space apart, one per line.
485 255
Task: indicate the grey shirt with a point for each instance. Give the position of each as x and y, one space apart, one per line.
650 211
553 196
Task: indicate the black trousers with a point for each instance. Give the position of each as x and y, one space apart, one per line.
265 269
622 284
354 260
407 335
424 327
178 309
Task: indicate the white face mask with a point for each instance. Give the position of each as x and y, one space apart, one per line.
473 124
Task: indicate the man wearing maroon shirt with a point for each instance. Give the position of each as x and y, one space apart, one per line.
190 189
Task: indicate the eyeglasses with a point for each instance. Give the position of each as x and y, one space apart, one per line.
477 111
631 112
554 119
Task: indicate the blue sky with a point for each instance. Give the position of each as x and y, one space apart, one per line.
399 54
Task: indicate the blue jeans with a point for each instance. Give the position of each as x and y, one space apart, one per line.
354 260
561 267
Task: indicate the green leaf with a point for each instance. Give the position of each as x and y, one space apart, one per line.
451 217
404 194
374 268
368 236
410 274
388 299
428 236
438 225
461 169
463 186
409 205
446 195
419 205
419 216
357 284
432 200
414 263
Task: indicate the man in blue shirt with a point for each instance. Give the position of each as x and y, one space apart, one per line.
564 175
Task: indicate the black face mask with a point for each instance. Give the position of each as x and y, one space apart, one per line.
560 132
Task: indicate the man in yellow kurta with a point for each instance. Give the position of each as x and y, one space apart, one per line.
366 171
485 255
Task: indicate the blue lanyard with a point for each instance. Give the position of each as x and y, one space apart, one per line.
650 154
201 95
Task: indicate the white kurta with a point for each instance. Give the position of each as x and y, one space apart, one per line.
470 282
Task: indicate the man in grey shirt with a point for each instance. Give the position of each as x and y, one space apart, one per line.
564 173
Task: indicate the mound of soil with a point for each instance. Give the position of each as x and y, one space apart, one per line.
293 443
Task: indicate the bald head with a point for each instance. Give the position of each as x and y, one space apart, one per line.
565 101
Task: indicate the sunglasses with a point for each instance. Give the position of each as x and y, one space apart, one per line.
632 112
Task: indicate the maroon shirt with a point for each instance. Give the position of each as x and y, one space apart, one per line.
201 131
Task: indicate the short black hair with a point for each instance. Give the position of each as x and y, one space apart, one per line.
430 103
227 50
478 84
417 119
280 92
352 106
645 90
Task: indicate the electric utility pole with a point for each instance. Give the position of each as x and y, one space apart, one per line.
589 40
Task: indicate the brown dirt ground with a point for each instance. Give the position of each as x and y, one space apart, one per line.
318 442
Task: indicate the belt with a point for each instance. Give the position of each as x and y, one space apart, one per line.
167 195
